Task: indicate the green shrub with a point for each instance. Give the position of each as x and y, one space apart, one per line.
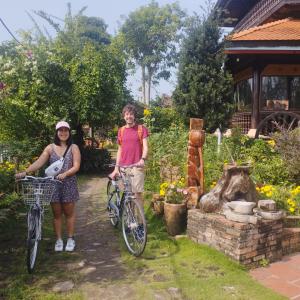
287 143
94 160
168 146
158 119
7 179
8 199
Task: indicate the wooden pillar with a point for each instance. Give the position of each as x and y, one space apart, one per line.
256 97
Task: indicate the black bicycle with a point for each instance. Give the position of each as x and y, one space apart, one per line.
124 208
36 193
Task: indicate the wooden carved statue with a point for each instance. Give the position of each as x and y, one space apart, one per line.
195 178
235 184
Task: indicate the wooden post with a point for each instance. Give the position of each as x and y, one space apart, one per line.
195 178
256 97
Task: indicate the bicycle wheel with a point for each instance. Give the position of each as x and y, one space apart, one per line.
134 227
113 212
34 230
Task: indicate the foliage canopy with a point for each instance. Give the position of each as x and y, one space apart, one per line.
204 88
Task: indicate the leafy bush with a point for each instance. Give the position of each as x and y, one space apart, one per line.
268 167
286 196
166 147
8 200
25 151
7 179
161 118
94 160
287 143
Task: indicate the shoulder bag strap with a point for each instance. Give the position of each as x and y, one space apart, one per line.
66 151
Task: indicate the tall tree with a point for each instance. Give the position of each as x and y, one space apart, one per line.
151 34
204 88
72 77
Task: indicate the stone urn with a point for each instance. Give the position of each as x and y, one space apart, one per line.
175 216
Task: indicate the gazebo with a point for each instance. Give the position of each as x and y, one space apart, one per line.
263 57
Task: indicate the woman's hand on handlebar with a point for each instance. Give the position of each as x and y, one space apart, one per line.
61 176
20 175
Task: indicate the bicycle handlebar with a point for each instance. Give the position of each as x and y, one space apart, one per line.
51 178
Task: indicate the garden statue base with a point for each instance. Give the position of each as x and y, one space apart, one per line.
244 242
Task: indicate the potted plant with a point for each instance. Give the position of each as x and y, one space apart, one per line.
175 208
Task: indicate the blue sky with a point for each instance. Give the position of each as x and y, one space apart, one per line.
13 13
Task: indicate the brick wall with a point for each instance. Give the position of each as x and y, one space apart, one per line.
290 240
246 243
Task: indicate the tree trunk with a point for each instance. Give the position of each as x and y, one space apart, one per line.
78 137
143 84
149 86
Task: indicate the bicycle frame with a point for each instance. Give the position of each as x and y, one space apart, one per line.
126 209
127 192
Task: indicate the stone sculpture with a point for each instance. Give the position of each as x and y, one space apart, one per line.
235 184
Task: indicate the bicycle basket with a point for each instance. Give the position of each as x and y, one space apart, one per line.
32 190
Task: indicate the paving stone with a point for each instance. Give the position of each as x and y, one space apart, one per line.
64 286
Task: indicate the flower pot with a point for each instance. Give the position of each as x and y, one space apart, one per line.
175 217
158 207
157 204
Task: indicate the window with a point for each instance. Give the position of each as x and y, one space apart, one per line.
295 93
274 93
243 95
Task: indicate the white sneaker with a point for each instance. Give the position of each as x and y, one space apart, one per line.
59 245
70 245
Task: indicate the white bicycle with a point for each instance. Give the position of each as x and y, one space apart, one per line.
36 193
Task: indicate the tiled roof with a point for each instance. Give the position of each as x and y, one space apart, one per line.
283 30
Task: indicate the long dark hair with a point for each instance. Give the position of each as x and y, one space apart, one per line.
57 140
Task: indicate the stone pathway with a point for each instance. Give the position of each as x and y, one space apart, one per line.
97 242
282 277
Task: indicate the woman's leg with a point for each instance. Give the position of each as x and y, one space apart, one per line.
69 212
57 221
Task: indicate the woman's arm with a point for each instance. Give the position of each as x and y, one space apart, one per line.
76 164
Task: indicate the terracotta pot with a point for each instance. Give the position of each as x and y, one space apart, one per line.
175 217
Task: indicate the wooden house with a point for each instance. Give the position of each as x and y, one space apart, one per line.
264 58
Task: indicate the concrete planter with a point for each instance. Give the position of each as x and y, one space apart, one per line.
175 217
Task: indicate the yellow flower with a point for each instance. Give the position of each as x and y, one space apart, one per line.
164 185
147 112
271 143
269 194
292 209
162 192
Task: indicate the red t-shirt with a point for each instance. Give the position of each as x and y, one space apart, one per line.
131 148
